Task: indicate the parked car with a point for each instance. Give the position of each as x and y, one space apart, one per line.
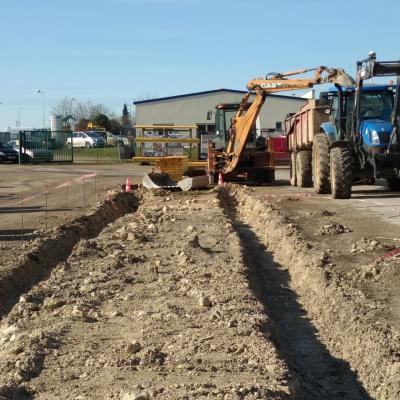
31 152
8 153
114 140
86 139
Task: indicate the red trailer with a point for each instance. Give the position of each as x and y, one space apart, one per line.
278 150
300 129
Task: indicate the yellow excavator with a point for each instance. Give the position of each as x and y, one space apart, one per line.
229 159
235 158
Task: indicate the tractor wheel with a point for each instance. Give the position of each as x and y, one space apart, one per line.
320 164
303 170
340 162
393 184
293 167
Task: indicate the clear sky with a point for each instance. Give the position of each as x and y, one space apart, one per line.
116 51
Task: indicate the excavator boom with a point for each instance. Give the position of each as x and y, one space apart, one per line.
246 116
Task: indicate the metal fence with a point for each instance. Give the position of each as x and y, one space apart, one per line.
5 137
105 154
23 215
44 146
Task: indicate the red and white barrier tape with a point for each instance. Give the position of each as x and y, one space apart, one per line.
34 196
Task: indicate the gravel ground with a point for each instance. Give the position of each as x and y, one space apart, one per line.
156 306
210 295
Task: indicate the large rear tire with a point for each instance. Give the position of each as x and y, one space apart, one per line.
394 184
341 180
303 170
320 164
293 169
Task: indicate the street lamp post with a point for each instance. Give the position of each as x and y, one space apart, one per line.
19 116
44 117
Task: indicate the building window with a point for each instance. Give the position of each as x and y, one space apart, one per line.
278 125
205 129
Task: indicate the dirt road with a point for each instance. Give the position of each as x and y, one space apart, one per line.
233 293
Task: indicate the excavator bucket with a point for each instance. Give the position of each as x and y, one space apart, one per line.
342 78
193 183
158 180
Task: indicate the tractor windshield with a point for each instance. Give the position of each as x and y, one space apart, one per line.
374 105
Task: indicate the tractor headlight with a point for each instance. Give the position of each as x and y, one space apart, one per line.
374 137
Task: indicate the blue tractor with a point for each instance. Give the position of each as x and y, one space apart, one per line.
361 137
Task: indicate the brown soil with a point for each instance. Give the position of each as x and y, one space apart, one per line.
216 295
157 306
354 323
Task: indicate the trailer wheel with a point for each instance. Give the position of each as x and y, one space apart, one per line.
303 170
394 184
340 163
320 164
293 167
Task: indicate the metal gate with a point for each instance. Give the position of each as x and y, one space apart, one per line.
44 146
4 137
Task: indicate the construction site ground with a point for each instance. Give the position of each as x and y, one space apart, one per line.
236 292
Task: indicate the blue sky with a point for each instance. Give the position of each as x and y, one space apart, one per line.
116 51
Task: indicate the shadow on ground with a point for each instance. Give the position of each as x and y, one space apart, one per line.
317 374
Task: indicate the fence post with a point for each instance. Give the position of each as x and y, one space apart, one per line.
95 187
46 194
72 147
22 217
84 190
66 196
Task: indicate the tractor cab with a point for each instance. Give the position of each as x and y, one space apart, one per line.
375 109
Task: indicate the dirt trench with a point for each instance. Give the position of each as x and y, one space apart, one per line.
32 262
327 328
157 306
212 295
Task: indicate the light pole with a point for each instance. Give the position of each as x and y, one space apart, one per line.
74 112
44 117
19 116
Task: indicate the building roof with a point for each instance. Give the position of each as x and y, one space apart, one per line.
241 92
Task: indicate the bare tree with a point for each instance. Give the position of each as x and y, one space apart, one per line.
64 107
80 110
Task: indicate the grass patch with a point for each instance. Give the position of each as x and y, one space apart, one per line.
96 154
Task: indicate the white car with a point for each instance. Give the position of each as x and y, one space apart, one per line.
114 140
86 139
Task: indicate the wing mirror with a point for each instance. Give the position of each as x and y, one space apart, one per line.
323 99
209 115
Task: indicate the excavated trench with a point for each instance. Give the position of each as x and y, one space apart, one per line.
316 373
44 254
270 314
321 328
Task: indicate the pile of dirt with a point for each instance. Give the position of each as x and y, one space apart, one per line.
158 305
350 325
365 245
333 228
323 213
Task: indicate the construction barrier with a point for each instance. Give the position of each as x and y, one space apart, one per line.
30 211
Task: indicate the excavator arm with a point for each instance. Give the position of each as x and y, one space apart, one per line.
246 116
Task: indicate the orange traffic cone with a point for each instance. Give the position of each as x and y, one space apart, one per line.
128 185
220 179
